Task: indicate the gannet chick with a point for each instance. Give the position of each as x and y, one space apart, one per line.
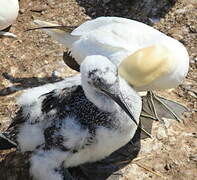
81 119
148 59
8 14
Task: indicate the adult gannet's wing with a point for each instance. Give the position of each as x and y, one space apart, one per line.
104 34
129 31
113 37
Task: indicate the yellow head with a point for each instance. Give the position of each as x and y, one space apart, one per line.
146 65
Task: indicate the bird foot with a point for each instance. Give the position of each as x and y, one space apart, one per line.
156 107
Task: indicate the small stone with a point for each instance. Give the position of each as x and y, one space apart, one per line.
41 75
167 122
154 20
161 133
55 73
187 114
181 11
13 70
22 10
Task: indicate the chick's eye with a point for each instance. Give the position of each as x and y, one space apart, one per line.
97 81
92 73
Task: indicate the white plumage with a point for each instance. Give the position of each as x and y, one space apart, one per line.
150 59
147 58
8 14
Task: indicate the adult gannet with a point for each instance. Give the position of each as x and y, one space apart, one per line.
147 58
8 14
81 119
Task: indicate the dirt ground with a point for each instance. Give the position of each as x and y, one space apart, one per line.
33 58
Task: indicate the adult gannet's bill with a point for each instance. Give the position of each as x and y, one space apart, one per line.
8 14
148 59
81 119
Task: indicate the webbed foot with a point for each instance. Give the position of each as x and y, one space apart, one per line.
157 107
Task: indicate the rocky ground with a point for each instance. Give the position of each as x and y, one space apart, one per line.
32 58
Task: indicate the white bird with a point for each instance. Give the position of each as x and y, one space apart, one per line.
81 119
148 59
8 14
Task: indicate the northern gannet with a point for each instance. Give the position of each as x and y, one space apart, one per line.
81 119
8 14
147 58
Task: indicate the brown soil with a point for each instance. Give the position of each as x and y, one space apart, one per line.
30 59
